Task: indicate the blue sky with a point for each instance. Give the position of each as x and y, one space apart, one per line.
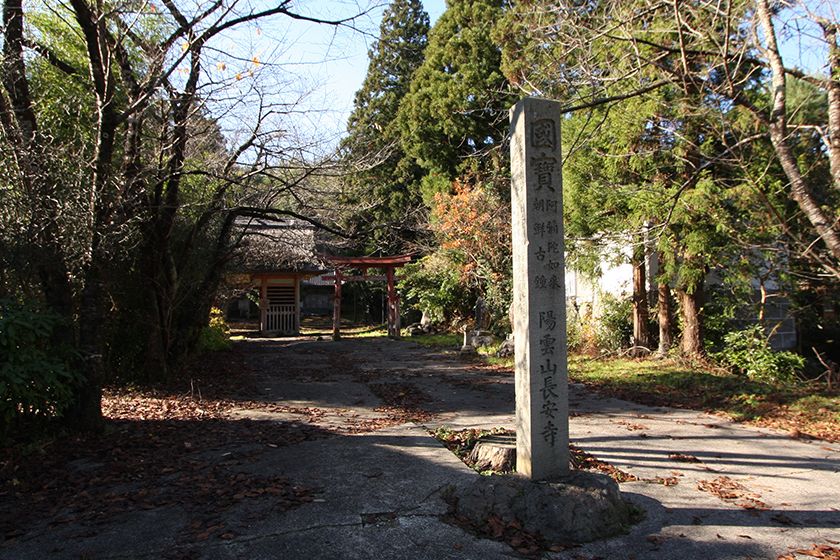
346 76
345 60
312 70
317 69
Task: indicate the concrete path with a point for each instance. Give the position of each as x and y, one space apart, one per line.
709 488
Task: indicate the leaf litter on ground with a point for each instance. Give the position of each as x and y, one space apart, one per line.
162 447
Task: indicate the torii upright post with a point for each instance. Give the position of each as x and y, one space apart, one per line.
337 306
539 298
393 305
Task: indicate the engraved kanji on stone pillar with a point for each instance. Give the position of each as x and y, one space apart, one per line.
539 292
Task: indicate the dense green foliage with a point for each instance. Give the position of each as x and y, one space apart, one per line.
653 165
748 352
453 124
614 326
662 151
433 285
36 377
454 117
383 184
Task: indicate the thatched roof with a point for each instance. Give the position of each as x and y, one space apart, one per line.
277 245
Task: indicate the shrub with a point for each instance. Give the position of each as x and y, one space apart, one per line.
748 352
726 308
472 227
580 331
574 329
216 335
615 326
433 285
36 379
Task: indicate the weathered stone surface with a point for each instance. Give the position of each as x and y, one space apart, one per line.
579 508
482 338
426 320
506 349
539 300
419 329
467 349
482 315
495 453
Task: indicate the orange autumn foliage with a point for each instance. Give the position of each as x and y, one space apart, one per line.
475 223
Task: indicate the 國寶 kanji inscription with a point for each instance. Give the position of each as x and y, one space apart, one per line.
542 410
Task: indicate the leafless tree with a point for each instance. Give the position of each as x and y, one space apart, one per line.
153 177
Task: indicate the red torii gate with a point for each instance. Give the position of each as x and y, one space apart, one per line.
363 264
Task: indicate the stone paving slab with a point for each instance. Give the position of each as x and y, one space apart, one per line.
379 494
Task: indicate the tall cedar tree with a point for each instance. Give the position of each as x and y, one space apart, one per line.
723 53
709 127
385 182
456 112
453 123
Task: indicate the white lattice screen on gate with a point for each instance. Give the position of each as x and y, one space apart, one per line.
281 316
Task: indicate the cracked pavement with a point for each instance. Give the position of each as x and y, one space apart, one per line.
378 480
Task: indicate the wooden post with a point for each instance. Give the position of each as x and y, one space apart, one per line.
337 306
297 304
263 305
392 305
397 325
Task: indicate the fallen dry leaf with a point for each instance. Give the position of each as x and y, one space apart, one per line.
731 491
816 551
682 458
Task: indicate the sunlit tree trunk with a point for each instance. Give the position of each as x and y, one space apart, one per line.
641 312
691 309
666 318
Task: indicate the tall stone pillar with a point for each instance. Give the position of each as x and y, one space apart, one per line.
539 292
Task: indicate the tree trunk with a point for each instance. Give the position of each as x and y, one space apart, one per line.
641 313
154 358
830 34
822 218
85 413
14 77
691 307
666 319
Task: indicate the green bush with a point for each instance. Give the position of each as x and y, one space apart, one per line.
725 308
36 379
433 284
216 335
615 324
748 352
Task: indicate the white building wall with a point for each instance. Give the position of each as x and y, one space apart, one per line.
616 279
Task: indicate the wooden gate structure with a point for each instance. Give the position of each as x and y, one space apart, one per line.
278 253
388 264
280 304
